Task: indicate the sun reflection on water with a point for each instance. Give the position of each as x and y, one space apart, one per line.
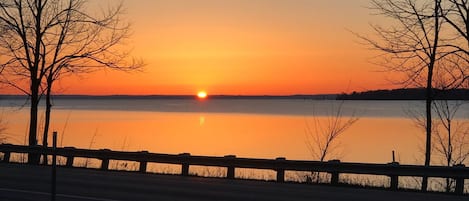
201 120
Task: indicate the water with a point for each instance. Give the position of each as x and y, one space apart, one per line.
259 128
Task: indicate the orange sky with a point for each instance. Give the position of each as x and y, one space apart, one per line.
246 47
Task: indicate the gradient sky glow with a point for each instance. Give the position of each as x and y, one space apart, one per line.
245 47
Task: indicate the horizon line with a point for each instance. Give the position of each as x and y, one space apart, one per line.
221 95
178 95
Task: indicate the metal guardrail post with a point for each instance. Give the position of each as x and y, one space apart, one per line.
394 183
70 158
459 181
143 163
185 164
6 157
280 171
105 161
34 157
334 174
230 174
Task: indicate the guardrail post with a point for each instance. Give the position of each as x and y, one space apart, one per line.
70 157
394 184
6 154
280 171
6 157
105 161
143 164
459 181
34 156
185 164
104 164
54 166
334 174
230 174
70 160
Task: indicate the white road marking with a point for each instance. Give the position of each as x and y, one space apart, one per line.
58 194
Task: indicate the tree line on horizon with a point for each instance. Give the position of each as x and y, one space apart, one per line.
406 94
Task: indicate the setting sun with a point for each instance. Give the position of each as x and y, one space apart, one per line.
202 94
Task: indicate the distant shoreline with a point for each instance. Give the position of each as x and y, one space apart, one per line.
407 94
394 94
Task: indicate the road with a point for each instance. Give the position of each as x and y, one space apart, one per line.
27 183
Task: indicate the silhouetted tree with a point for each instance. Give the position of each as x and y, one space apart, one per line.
451 136
322 134
411 47
43 40
450 143
455 13
454 63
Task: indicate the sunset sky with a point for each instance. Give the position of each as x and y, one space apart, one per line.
242 47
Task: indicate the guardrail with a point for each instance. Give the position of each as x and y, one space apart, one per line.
231 162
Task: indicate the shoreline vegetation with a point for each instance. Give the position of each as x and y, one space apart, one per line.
393 94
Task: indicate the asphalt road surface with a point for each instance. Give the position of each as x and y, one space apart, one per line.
32 183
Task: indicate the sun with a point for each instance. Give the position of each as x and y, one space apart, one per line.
202 94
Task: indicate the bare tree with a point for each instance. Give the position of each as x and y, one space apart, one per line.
456 14
411 47
450 134
450 143
322 135
43 40
451 137
453 71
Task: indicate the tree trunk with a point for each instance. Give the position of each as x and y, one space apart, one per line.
33 158
450 148
35 83
428 142
428 112
47 120
429 92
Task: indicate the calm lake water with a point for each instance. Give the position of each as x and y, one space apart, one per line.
261 128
